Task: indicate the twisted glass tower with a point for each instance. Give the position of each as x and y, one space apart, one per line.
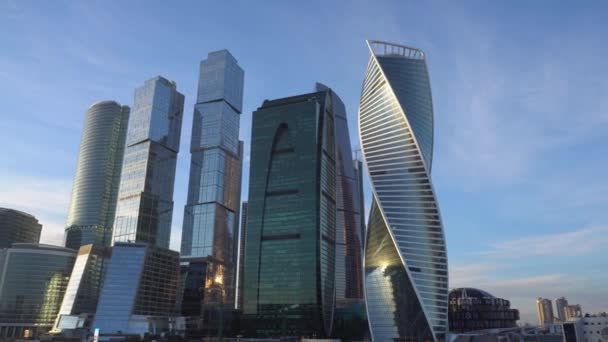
211 214
145 199
405 263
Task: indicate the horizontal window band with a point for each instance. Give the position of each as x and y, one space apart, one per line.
280 237
283 150
328 239
282 192
326 195
328 156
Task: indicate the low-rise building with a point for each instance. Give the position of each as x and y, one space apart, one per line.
590 328
18 227
472 309
139 292
33 281
82 294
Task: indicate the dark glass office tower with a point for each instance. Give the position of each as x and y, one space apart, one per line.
406 275
145 199
95 189
349 269
241 265
211 214
17 226
359 181
289 284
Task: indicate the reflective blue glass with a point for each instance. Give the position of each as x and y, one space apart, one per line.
95 189
145 200
406 277
212 210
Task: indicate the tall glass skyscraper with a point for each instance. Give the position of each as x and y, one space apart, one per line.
145 199
289 281
349 279
211 214
95 189
241 263
17 226
406 276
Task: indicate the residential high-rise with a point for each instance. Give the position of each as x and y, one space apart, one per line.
17 226
545 311
145 199
33 280
95 188
560 306
241 265
289 282
82 294
573 311
212 210
139 291
406 273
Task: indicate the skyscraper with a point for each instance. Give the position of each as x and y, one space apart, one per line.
545 311
33 280
560 307
289 284
572 312
241 265
17 226
95 189
349 279
359 181
406 276
145 200
211 214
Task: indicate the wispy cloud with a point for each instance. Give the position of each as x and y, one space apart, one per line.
508 109
573 243
46 199
505 270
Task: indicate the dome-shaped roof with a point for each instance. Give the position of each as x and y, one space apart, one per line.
469 292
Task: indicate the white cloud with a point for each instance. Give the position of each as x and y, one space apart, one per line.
573 243
514 270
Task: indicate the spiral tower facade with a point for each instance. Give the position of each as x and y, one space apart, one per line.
405 263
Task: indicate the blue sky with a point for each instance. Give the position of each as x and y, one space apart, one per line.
520 91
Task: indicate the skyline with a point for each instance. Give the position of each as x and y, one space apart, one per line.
501 93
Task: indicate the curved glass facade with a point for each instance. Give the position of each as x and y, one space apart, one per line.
95 189
17 226
473 309
405 263
33 281
290 250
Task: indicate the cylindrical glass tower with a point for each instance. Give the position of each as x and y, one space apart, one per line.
95 189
